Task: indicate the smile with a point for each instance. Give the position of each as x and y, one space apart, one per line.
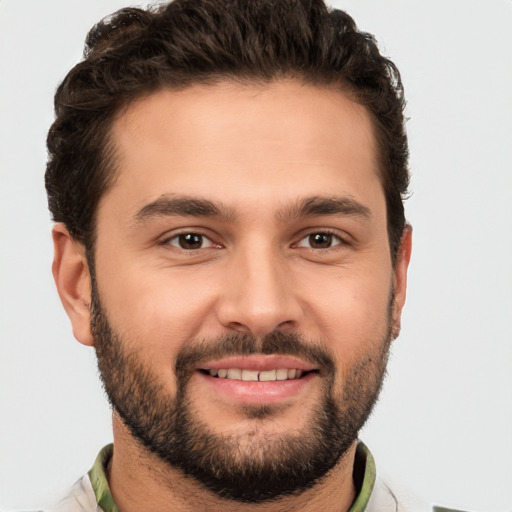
255 375
258 379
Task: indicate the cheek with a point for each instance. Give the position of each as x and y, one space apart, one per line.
159 310
352 316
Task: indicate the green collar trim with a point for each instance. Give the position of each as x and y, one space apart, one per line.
365 474
364 477
99 481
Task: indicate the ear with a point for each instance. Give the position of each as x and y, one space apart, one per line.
400 278
73 280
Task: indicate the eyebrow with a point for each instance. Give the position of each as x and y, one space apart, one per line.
320 205
169 205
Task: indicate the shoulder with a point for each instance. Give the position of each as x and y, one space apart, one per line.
386 498
444 509
80 498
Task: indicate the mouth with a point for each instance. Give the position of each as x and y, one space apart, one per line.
258 379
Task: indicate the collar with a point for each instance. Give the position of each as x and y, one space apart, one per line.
364 478
365 474
98 477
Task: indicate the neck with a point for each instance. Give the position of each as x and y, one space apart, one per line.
134 474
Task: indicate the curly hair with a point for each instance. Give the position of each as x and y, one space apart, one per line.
135 52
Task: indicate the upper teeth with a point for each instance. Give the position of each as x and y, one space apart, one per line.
255 375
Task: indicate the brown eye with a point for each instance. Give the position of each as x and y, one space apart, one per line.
320 240
190 241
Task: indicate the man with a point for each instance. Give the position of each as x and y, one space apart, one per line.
227 181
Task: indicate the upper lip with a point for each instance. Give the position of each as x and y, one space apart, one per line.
259 362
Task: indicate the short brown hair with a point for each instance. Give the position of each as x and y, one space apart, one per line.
135 52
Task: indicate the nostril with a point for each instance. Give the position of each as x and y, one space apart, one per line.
239 327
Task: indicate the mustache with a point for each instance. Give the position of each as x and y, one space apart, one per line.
194 354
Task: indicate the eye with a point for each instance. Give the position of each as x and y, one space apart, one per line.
320 240
190 241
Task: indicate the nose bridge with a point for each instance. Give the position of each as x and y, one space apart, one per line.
259 297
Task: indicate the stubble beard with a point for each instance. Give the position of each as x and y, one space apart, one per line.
253 467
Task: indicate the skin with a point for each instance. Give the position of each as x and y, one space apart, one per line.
255 151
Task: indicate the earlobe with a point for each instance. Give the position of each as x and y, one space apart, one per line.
71 274
400 278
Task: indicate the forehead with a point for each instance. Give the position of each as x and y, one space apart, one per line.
244 142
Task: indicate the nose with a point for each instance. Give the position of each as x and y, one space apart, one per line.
259 295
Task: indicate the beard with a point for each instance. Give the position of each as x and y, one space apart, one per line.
255 466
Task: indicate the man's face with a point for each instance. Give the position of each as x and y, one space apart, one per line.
245 234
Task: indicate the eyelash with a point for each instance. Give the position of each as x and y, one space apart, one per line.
177 236
329 233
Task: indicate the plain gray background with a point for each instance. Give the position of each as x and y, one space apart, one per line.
443 426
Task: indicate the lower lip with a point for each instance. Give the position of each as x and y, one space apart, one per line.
261 393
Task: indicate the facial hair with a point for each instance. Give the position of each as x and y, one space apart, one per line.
253 467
